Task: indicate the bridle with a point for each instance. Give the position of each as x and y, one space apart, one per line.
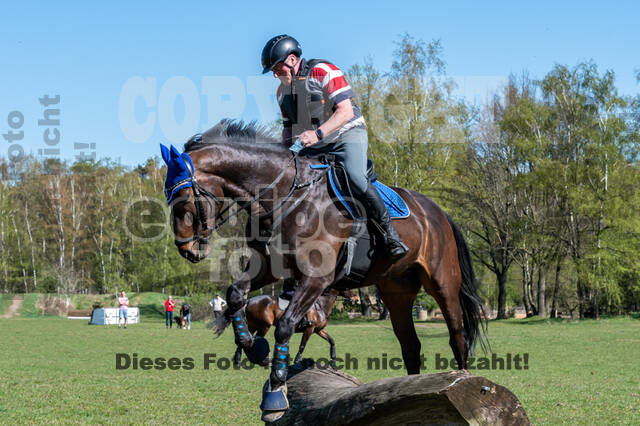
199 192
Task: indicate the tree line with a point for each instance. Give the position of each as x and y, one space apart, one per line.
543 179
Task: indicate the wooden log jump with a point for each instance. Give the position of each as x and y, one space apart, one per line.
320 395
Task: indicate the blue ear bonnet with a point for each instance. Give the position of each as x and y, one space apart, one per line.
178 176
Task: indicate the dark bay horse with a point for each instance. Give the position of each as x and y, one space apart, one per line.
263 311
294 229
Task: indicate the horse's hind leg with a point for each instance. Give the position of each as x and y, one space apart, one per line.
305 338
332 350
399 298
237 357
257 331
449 302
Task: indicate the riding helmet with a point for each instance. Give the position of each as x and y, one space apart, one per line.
277 50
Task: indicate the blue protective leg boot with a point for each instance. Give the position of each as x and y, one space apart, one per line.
256 348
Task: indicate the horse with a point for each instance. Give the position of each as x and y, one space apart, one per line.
296 230
263 311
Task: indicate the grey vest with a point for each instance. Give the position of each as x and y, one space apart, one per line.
303 109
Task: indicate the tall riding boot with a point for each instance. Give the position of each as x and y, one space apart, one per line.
379 216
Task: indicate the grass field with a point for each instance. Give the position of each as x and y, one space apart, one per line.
59 370
5 302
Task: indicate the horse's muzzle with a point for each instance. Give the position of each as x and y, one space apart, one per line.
194 251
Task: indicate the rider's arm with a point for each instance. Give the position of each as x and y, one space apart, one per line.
340 117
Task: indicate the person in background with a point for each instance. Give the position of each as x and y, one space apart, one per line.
123 302
185 311
169 305
217 303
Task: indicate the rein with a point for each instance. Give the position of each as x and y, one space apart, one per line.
200 192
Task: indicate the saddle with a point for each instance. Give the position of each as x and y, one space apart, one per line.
341 191
357 253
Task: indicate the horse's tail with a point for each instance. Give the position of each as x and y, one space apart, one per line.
220 324
473 314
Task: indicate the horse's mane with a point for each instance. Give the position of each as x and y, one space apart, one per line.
236 131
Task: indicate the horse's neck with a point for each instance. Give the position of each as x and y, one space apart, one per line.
245 171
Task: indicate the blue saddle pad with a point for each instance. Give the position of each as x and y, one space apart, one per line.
396 206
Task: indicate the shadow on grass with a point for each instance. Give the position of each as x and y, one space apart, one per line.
534 321
151 310
538 320
427 334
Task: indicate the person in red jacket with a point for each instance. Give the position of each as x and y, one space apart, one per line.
169 305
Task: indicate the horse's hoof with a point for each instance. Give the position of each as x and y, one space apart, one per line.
259 352
272 416
274 400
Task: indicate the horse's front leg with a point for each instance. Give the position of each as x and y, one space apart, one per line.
256 275
274 400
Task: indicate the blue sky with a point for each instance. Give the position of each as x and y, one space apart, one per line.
103 59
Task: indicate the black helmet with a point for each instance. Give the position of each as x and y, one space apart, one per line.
277 50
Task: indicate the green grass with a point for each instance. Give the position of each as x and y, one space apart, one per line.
86 301
29 309
579 372
5 302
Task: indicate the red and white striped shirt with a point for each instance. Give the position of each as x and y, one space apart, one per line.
331 81
327 82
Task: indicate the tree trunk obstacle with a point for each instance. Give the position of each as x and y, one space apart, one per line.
320 395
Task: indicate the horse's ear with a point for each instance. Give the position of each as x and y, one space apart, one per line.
166 155
174 152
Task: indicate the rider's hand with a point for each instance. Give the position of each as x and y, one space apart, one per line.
308 138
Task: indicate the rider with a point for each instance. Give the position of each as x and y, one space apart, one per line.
315 101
